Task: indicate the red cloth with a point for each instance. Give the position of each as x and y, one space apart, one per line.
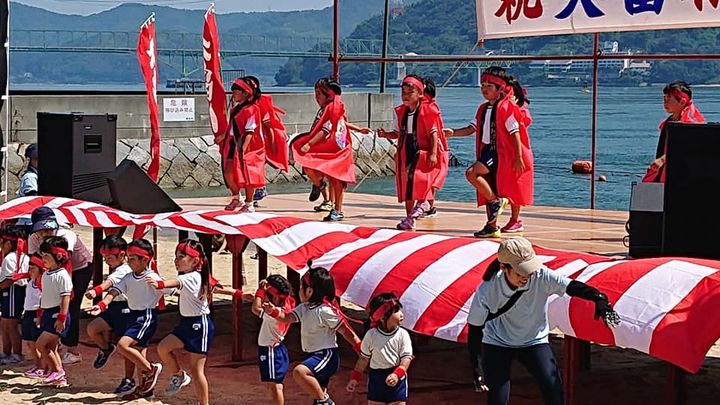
251 164
418 182
443 148
333 155
517 187
276 145
690 115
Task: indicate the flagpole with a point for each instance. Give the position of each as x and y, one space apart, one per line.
148 21
6 132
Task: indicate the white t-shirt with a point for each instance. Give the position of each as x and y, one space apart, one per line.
115 276
9 264
55 285
272 332
318 326
28 183
80 256
385 350
32 297
410 123
511 125
140 295
188 290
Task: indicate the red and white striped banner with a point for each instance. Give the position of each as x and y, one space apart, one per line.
147 56
668 306
213 80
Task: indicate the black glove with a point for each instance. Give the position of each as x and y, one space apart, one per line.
604 310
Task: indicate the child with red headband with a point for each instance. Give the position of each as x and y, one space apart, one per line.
114 321
320 322
142 300
677 101
195 332
417 163
326 151
55 302
273 357
502 172
31 314
243 149
387 348
12 290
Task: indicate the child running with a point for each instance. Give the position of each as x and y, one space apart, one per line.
417 163
57 288
114 320
31 314
273 357
388 350
326 151
320 322
196 330
503 169
142 300
12 288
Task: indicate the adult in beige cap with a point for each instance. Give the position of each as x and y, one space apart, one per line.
508 320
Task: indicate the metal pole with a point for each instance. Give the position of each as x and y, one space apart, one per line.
336 40
386 24
596 55
6 132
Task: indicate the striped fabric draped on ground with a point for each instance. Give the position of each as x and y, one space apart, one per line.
668 306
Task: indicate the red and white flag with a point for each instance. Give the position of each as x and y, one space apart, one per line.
147 56
213 80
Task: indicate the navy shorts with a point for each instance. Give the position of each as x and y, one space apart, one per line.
30 330
47 322
323 364
274 363
379 391
141 326
116 316
196 332
13 299
488 157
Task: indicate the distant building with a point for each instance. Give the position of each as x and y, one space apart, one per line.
570 67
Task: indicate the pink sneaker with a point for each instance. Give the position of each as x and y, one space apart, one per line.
513 227
55 375
35 372
247 208
233 204
407 224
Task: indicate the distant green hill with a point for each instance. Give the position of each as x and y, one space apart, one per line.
448 27
96 67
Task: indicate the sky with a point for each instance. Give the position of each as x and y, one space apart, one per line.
85 7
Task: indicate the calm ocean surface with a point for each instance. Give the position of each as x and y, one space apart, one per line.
627 121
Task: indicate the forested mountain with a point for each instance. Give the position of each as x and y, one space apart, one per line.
98 67
448 27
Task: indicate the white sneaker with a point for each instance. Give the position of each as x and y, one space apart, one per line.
70 358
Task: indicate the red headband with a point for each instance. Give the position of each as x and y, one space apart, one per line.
306 278
244 86
414 82
137 251
188 250
56 250
379 313
680 95
276 293
498 81
114 251
36 261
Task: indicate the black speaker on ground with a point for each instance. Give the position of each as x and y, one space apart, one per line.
76 153
691 186
645 226
133 191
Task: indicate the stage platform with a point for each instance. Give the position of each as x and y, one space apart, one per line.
574 229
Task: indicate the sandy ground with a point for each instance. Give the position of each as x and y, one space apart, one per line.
439 374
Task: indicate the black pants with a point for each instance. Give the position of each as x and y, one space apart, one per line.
81 280
538 359
475 335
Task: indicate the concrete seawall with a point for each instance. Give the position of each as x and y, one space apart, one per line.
188 156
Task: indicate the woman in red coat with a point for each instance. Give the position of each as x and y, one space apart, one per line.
244 148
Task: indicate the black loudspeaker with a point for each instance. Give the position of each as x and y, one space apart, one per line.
133 191
76 153
645 227
691 185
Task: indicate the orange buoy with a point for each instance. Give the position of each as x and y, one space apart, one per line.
602 178
582 167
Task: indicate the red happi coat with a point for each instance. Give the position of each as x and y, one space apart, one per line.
333 155
248 167
276 139
415 178
517 187
690 115
443 148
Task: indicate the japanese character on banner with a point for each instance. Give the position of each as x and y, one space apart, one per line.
513 8
642 6
591 10
699 4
